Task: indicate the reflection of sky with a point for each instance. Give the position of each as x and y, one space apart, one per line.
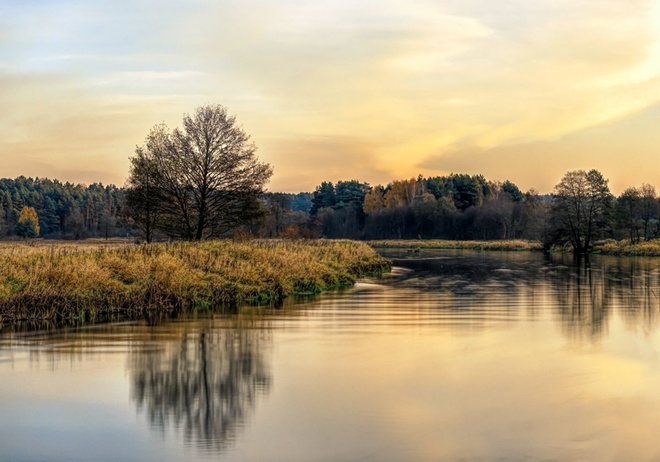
332 90
503 393
389 370
78 411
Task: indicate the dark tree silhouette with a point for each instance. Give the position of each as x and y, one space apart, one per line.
323 197
628 213
199 181
581 208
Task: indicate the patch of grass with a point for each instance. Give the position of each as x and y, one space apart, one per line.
86 282
507 245
626 248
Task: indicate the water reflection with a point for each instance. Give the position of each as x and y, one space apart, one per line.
589 293
204 385
456 355
200 378
581 295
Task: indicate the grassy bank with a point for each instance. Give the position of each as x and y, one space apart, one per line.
56 282
509 245
625 248
611 247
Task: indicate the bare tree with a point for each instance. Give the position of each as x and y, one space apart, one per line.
580 212
146 198
199 181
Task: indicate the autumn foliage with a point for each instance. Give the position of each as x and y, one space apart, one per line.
28 223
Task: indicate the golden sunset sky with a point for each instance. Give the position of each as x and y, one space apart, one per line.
373 90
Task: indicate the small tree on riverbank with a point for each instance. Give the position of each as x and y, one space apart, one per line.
581 210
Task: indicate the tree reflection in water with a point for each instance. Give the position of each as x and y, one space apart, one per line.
589 292
583 298
204 385
582 295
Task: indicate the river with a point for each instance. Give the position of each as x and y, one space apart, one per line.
456 355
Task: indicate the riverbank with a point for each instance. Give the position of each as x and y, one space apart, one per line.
60 282
625 248
418 244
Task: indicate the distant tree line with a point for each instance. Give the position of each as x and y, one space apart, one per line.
48 208
456 206
580 211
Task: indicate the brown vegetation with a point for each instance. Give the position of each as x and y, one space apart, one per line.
628 248
513 244
625 247
56 282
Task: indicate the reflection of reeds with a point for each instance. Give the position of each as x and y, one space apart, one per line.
38 283
513 244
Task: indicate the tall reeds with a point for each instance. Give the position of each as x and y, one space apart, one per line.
508 245
627 248
88 282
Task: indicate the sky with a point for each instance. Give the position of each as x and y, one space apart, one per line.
373 90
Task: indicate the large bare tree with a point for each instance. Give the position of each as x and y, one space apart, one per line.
198 181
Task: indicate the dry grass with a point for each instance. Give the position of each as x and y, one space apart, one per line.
509 245
66 281
625 248
91 243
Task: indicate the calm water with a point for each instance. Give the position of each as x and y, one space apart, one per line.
455 356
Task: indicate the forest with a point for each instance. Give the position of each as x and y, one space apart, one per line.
455 206
470 207
63 210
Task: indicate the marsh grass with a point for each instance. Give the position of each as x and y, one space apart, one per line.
626 248
88 282
609 247
508 245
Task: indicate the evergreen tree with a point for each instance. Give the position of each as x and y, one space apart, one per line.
323 197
